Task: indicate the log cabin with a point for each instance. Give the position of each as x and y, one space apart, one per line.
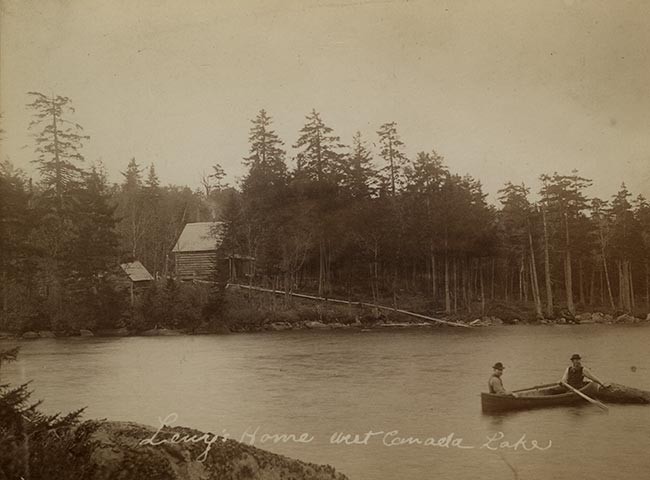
196 254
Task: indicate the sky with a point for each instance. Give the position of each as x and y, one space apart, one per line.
504 90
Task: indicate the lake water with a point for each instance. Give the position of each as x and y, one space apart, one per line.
419 382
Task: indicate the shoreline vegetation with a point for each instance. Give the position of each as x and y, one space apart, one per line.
246 311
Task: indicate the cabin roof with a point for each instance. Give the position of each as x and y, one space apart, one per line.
136 272
199 237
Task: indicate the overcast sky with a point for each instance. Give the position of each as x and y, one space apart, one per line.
503 90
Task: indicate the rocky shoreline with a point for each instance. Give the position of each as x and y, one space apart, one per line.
108 450
276 326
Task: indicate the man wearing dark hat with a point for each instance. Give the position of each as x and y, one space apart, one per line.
576 373
495 384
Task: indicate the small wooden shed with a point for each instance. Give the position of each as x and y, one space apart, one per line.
135 277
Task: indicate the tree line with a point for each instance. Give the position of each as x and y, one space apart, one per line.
348 221
361 220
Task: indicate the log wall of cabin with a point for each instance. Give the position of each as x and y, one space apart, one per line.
200 265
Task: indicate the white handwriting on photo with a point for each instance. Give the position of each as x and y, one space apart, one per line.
391 438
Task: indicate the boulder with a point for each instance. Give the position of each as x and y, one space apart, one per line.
337 325
104 450
315 324
496 321
46 334
279 326
30 335
86 333
160 332
626 318
598 317
584 318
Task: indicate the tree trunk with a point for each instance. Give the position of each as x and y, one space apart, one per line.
568 274
592 284
547 270
534 282
455 285
480 275
447 297
631 285
580 282
492 280
647 285
433 276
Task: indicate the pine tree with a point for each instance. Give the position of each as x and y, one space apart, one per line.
266 159
16 250
132 177
563 197
23 428
134 222
359 174
319 159
395 160
58 146
626 241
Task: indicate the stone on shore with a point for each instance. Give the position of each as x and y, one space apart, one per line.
315 325
626 318
30 335
161 332
585 318
279 326
104 450
86 333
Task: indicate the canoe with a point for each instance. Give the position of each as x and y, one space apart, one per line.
535 397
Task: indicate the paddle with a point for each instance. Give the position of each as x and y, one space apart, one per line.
589 399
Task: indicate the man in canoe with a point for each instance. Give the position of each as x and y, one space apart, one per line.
495 384
576 373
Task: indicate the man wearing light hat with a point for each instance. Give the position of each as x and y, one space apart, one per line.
576 373
495 384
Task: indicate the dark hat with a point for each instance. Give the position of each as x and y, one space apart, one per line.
498 366
575 356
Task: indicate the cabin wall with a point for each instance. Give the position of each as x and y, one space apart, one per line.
195 265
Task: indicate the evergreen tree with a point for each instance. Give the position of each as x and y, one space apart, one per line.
17 268
134 222
564 199
392 173
24 428
132 177
58 147
266 159
627 244
319 159
358 172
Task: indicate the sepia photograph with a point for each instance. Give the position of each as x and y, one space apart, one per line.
324 239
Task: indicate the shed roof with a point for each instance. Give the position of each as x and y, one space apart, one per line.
136 271
200 237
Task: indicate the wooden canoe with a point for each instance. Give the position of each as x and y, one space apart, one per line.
535 397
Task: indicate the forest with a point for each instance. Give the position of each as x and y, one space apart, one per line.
358 221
